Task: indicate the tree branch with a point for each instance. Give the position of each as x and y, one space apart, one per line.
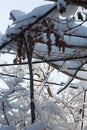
27 28
32 105
82 3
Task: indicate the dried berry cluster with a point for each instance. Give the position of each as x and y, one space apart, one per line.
36 34
20 51
30 41
59 43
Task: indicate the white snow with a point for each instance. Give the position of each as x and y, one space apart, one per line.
36 126
15 14
69 10
10 127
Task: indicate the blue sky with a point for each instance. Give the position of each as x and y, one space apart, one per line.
7 5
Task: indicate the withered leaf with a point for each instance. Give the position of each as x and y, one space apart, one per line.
44 22
80 17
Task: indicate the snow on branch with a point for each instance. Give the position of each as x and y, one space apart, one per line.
48 36
5 43
82 3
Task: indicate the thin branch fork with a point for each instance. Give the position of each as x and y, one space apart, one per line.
70 79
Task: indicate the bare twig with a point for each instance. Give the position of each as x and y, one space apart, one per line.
10 75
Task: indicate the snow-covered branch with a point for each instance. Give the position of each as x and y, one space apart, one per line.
82 3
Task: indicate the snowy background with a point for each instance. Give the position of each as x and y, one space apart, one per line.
59 103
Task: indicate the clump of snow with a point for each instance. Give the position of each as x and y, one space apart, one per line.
15 14
37 12
61 4
65 11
